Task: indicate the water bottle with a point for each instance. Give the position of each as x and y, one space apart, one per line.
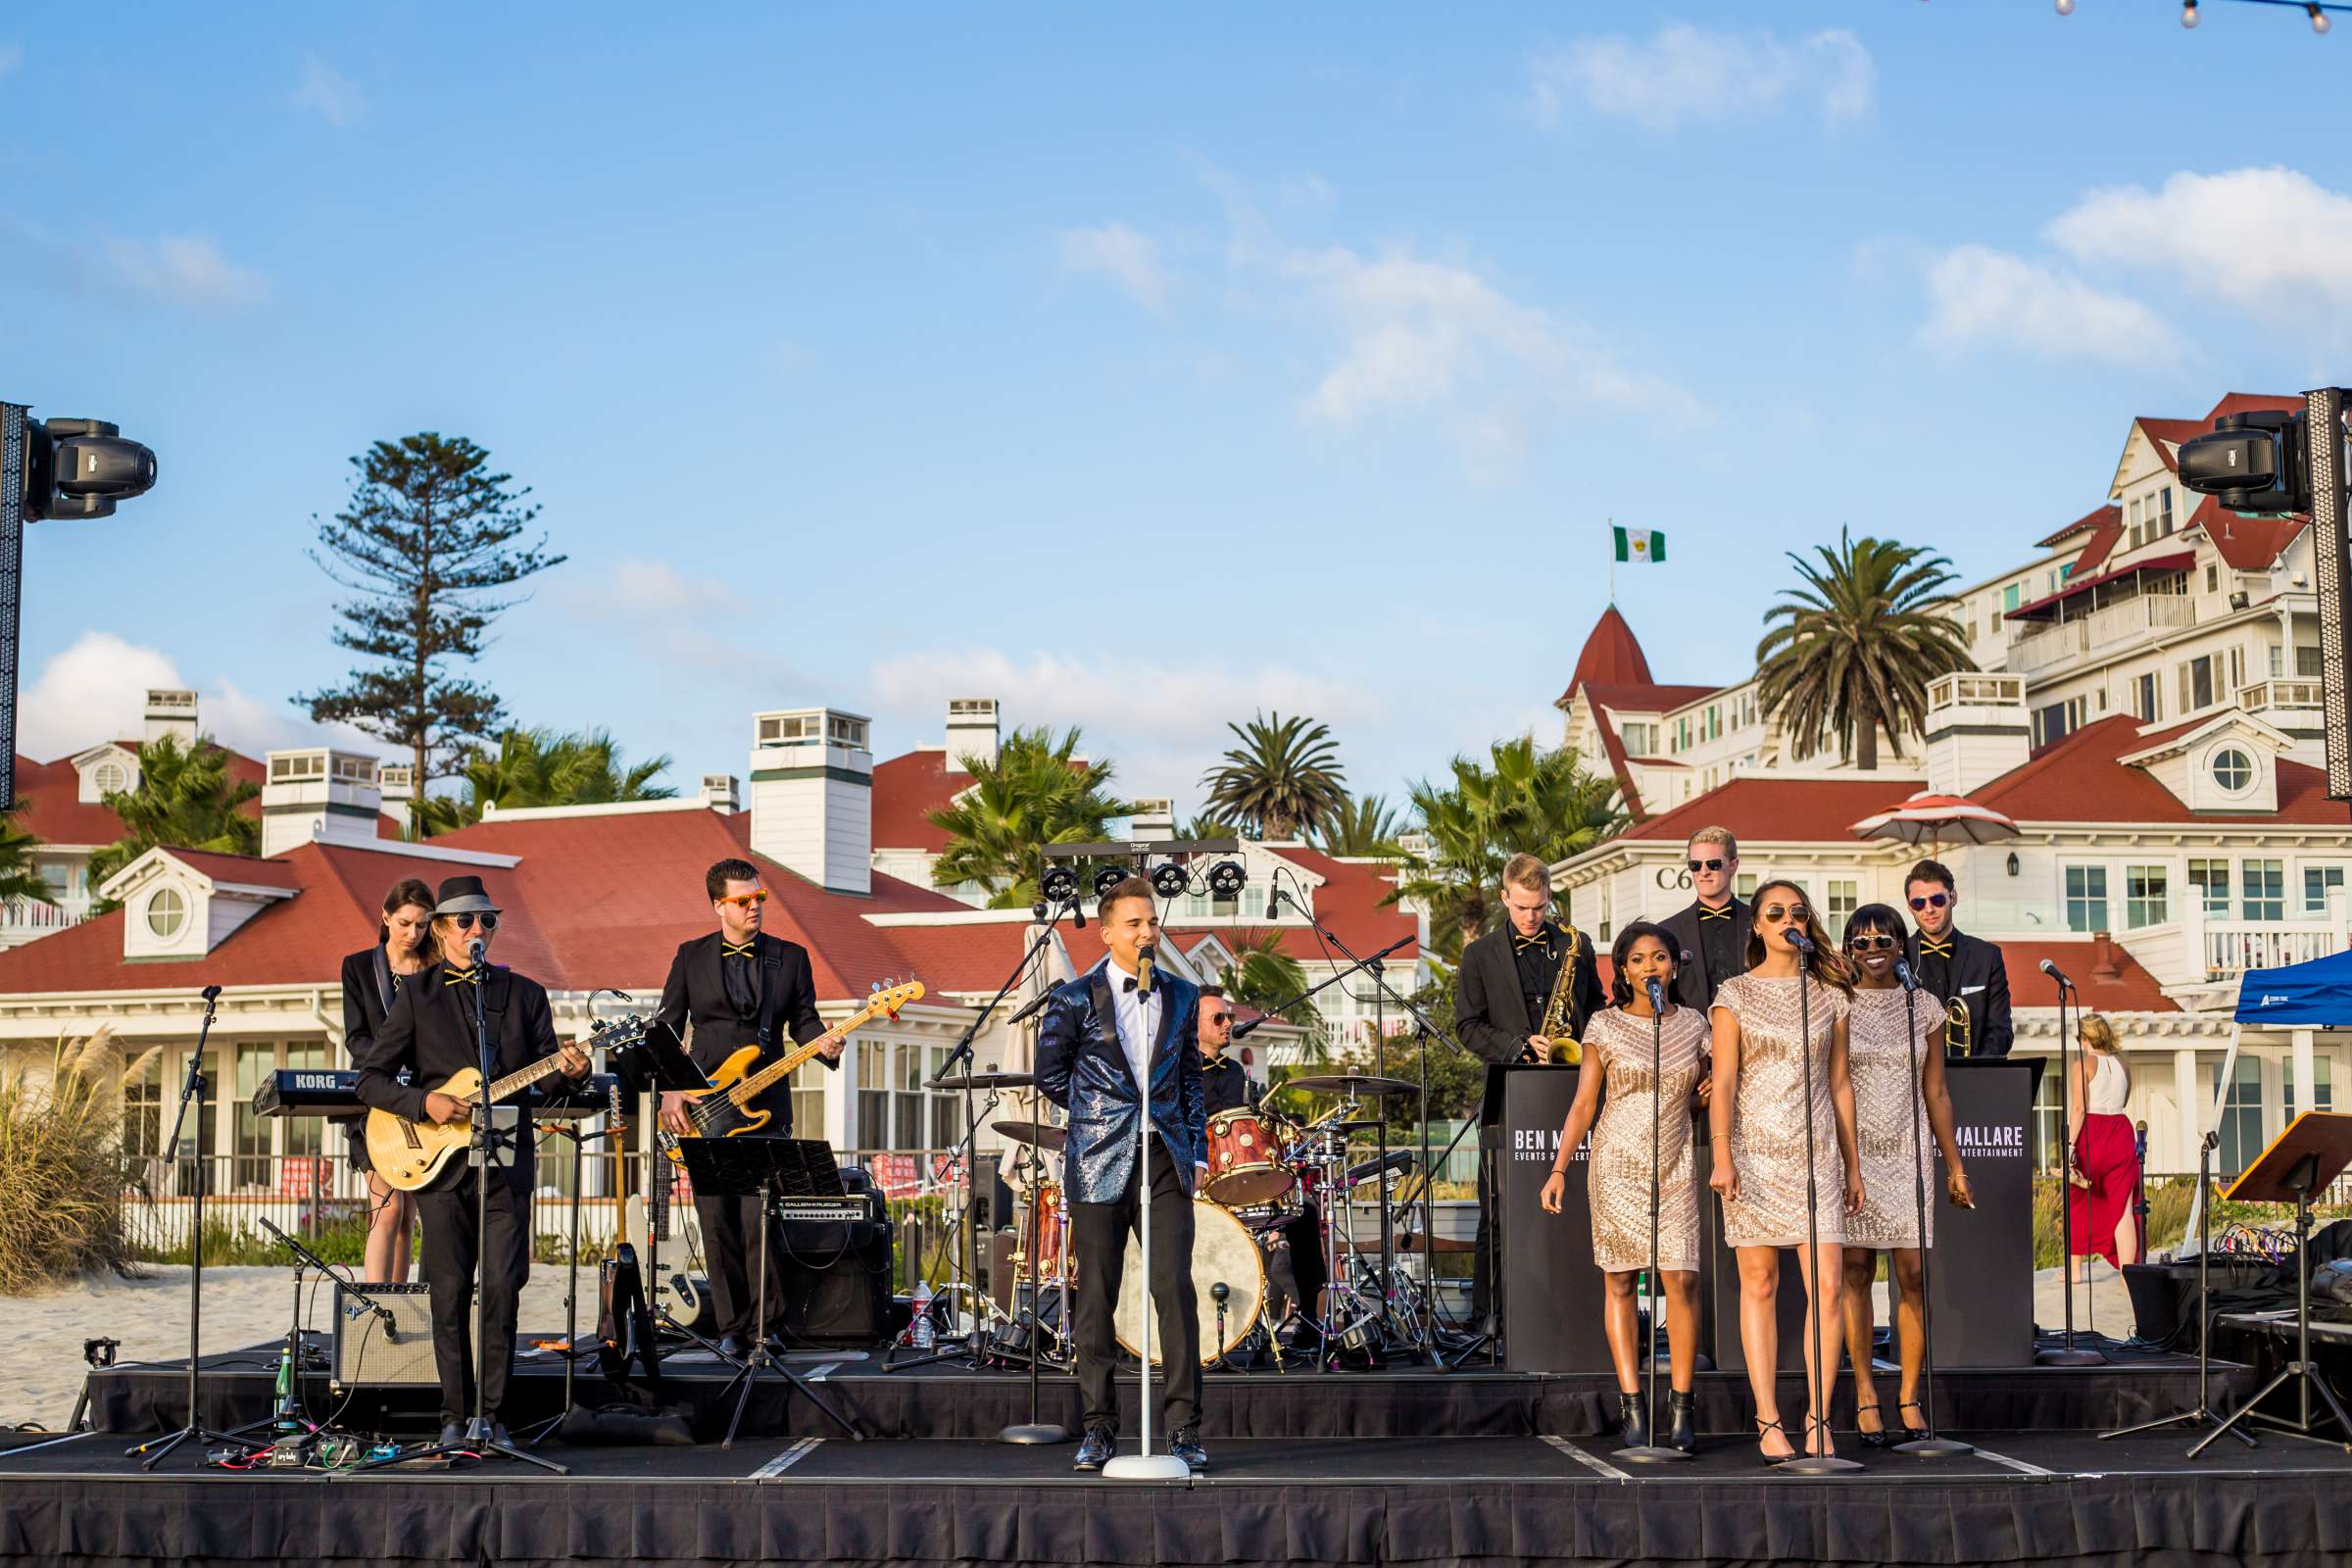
924 1337
282 1412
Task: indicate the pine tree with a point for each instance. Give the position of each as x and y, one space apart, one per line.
425 542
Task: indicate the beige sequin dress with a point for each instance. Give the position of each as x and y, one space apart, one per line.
1882 1104
1619 1190
1768 1120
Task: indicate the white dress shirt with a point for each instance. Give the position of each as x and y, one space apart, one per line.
1138 1018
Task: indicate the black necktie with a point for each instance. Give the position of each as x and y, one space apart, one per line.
737 977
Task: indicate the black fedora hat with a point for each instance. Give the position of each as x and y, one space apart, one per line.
464 895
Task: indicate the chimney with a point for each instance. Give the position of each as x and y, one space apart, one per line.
2103 964
319 793
398 782
812 795
971 731
1152 819
172 713
721 794
1977 729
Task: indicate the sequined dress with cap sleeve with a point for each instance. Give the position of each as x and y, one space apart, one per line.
1619 1174
1882 1108
1768 1119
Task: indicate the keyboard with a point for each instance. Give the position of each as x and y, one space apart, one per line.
334 1092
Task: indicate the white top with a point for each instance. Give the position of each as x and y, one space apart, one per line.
2109 1086
1138 1018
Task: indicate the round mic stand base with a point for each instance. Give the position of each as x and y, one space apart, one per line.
1817 1464
1935 1448
2068 1355
1041 1434
1147 1467
1652 1453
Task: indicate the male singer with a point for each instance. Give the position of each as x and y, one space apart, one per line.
739 986
1957 969
1713 930
430 1032
1504 989
1118 1038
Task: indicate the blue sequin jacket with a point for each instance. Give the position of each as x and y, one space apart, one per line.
1082 1068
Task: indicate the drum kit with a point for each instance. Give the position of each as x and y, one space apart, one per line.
1265 1167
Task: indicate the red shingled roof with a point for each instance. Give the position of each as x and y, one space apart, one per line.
2078 779
2247 544
55 813
1612 747
2082 525
2166 435
2131 989
250 869
1614 672
906 789
2104 537
1770 809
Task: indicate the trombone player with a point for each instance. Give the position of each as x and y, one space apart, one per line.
1526 990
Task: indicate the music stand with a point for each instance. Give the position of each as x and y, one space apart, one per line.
2312 1151
654 1062
765 1168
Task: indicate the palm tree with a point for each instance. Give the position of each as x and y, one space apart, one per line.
1264 976
1529 801
1038 791
1209 825
1284 778
542 767
1855 647
1363 829
20 878
184 798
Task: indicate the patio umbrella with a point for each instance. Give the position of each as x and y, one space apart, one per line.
1925 818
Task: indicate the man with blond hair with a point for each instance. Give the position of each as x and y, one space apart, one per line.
1713 930
1505 987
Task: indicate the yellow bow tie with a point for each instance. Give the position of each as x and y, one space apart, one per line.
1520 944
1928 944
1705 913
737 949
462 977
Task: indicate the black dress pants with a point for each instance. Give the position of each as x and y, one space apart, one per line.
1100 1232
452 1238
731 1252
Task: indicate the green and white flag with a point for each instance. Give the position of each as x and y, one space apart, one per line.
1640 543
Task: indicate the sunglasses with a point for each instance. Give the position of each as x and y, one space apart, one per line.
464 922
1879 942
746 900
1933 901
1796 913
1707 865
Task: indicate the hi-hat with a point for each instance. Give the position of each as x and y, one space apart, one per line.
1045 1135
987 1080
1348 1083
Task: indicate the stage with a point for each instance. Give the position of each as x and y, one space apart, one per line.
1402 1466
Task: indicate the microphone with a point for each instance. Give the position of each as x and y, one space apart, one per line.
2056 973
212 992
1797 939
475 949
1240 1029
1144 972
1657 993
1904 977
1681 958
1273 901
1043 998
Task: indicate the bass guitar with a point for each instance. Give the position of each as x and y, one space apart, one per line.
408 1154
725 1109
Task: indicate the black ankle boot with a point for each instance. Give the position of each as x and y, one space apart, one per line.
1685 1436
1635 1431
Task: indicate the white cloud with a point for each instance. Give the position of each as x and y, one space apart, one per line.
95 689
2248 236
329 95
1685 74
1120 254
1979 295
692 622
186 270
11 57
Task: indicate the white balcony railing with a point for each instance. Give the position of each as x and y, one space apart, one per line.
2232 948
21 919
2046 648
2279 693
2135 618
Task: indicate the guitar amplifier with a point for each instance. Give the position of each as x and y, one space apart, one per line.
836 1261
372 1353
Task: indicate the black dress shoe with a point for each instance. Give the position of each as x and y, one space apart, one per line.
1685 1436
498 1434
1094 1450
734 1346
1186 1446
1633 1424
453 1434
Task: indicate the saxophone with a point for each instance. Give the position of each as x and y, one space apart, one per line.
1565 1051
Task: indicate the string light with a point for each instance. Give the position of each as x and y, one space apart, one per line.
2318 18
2189 14
2066 8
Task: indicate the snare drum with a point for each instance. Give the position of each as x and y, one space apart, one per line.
1245 1158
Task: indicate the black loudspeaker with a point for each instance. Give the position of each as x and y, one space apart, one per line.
837 1278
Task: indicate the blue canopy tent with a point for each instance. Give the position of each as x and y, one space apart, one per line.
2313 995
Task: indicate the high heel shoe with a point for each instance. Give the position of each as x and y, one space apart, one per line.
1872 1440
1633 1424
1774 1459
1684 1434
1912 1434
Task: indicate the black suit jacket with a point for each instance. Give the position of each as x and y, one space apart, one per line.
1691 985
1978 979
1491 1016
366 1002
695 992
430 1031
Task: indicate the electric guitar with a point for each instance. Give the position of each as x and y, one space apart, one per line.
408 1154
725 1108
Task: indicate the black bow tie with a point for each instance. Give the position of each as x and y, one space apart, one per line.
1129 985
1942 949
462 977
1705 913
738 949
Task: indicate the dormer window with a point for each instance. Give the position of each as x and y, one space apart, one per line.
166 913
109 778
2232 771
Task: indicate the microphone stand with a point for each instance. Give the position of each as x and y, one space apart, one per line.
1653 1452
1144 1464
2204 1412
1930 1446
191 1094
2066 1353
1812 1464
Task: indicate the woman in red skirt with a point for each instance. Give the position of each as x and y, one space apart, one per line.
2104 1171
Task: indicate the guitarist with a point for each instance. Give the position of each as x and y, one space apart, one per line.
739 986
429 1031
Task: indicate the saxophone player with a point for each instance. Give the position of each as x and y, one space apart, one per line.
1526 990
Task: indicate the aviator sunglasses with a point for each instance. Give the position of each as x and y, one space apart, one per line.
464 922
1707 865
1933 901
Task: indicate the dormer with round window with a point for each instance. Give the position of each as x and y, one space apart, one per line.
2224 766
181 903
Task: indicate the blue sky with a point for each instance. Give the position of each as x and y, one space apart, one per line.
1140 370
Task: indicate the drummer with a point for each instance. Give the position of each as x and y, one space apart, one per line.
1289 1232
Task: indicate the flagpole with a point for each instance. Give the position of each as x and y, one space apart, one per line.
1611 525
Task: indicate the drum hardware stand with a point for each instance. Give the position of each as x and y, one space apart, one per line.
1930 1446
1035 1431
1824 1463
2066 1353
2204 1412
979 1342
571 1279
191 1094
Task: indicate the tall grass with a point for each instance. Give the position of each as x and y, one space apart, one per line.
2169 1200
61 1169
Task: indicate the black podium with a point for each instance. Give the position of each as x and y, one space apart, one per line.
1552 1289
1982 1274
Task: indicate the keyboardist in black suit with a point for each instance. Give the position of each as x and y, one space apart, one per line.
371 978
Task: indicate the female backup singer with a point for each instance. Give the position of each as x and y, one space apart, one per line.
1757 1111
1619 1189
2105 1161
371 978
1888 1117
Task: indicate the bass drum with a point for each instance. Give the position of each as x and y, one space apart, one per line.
1223 1251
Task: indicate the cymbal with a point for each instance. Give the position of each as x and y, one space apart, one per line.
1348 1083
1407 1241
986 1080
1045 1135
1358 1126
